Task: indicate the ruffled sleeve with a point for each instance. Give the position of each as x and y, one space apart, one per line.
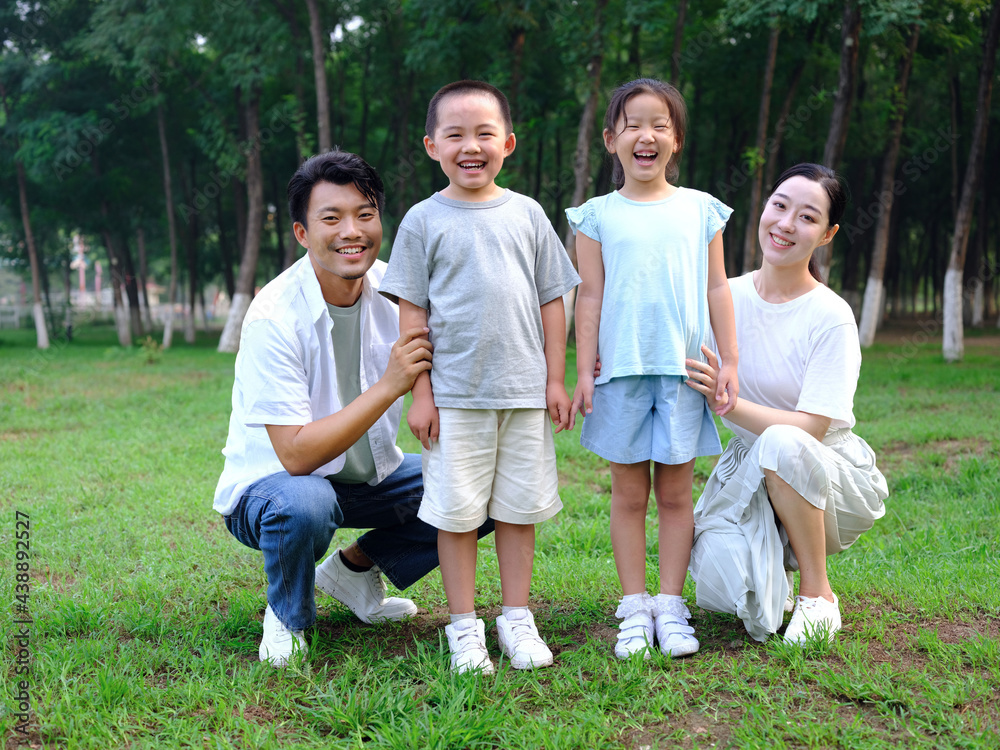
584 219
718 214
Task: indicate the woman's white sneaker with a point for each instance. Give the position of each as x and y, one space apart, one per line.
280 644
813 618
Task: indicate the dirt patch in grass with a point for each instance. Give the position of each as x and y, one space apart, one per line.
898 453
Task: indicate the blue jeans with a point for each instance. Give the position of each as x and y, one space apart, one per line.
293 519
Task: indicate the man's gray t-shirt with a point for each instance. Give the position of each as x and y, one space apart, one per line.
360 465
482 270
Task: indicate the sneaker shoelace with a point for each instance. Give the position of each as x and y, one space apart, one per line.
522 631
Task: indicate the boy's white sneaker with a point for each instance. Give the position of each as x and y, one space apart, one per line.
812 619
520 641
673 634
467 643
363 593
279 643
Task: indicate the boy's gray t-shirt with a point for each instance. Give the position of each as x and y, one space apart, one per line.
482 270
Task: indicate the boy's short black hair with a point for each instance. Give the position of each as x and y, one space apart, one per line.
340 168
468 87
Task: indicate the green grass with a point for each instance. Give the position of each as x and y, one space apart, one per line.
147 613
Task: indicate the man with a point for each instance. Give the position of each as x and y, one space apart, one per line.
317 400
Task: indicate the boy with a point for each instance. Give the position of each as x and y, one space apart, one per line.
482 267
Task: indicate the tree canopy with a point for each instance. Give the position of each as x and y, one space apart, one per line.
85 81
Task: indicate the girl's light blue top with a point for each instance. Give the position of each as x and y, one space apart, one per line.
654 313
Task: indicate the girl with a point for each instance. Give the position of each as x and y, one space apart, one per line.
651 263
794 460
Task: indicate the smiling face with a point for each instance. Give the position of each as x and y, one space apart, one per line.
471 142
343 238
644 141
795 221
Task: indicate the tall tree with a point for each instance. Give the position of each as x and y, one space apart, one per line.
757 156
836 139
871 309
585 132
37 313
319 74
953 344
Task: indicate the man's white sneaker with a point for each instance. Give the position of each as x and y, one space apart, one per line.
279 643
790 601
673 634
362 593
812 619
520 641
467 643
635 633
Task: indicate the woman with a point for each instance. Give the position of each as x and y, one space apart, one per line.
795 484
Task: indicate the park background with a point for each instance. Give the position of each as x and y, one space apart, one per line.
156 140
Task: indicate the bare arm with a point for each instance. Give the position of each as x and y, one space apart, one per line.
554 329
304 448
422 418
720 311
589 296
755 418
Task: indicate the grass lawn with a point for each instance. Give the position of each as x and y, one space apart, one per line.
146 615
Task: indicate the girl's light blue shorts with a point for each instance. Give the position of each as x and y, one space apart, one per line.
649 417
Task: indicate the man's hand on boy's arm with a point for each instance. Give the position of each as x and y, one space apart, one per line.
422 418
304 448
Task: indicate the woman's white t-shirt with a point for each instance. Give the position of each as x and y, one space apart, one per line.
801 355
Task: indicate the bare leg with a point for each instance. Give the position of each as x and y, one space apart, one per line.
457 552
516 557
806 531
629 499
672 487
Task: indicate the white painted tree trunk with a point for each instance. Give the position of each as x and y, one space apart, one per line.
189 325
978 302
953 345
123 325
871 308
168 327
40 328
230 339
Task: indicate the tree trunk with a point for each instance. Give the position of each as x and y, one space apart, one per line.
37 313
230 339
581 163
319 73
781 124
191 251
953 345
675 57
131 282
841 117
750 244
168 192
121 315
225 252
140 239
873 289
